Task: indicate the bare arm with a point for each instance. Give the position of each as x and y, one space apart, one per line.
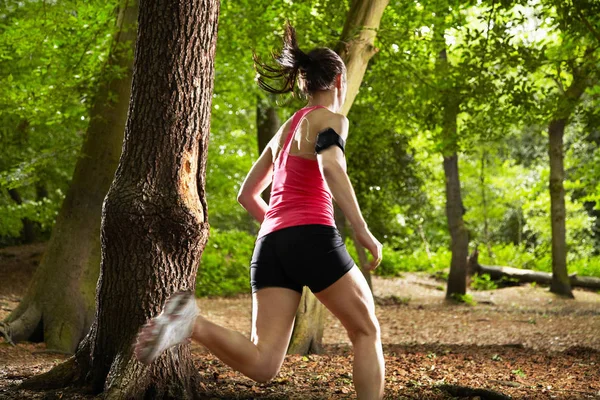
333 167
257 180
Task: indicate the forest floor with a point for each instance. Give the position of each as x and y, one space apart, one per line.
520 341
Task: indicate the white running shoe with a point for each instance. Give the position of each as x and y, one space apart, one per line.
172 327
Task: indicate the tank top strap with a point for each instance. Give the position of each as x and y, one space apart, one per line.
298 115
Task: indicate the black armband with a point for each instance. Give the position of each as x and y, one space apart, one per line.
328 138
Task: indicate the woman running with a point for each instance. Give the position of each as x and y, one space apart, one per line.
298 244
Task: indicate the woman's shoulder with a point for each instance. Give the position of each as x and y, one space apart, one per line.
325 118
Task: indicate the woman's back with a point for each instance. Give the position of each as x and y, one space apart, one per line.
299 195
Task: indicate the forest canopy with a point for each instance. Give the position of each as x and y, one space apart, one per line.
509 69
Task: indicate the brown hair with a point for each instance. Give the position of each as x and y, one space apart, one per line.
314 71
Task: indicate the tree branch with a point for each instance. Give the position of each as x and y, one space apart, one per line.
585 21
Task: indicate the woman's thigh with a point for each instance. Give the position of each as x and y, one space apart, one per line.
273 313
351 301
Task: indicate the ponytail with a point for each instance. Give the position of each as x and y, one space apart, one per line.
314 71
289 62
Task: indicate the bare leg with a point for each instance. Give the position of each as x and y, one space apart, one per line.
351 301
273 313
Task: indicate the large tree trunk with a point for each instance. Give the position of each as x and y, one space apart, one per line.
60 298
154 219
357 44
309 326
356 47
560 279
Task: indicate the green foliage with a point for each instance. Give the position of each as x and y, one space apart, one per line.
518 372
394 263
51 58
225 266
464 298
43 212
483 282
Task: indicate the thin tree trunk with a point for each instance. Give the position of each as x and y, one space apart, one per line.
61 296
356 47
457 279
520 225
459 236
154 218
486 229
560 278
267 124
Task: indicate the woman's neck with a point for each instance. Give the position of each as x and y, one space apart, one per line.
324 98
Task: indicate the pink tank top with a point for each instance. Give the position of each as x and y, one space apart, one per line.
299 195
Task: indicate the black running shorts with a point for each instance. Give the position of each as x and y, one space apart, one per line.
298 256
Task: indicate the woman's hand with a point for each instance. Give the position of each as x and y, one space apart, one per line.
366 238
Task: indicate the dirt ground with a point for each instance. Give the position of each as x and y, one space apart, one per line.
521 341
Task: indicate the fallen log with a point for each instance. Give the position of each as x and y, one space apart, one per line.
528 275
497 273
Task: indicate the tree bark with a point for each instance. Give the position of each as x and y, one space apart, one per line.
60 298
309 311
457 279
560 282
560 279
357 44
154 217
356 47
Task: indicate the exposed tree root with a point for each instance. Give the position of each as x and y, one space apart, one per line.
61 333
129 379
465 391
172 376
5 332
58 377
23 325
50 351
